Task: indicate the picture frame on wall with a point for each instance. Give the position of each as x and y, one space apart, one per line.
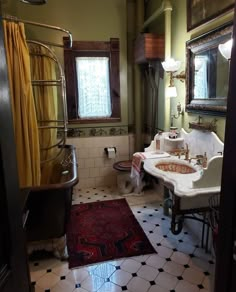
202 11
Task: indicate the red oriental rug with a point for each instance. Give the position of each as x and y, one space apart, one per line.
102 231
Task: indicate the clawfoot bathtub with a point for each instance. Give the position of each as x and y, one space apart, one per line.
49 205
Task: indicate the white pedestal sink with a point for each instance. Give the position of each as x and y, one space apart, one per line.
190 185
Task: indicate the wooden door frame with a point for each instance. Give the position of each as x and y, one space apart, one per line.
18 276
225 267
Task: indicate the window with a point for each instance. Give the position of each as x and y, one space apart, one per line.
93 87
92 81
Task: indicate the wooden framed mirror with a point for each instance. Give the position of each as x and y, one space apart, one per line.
207 72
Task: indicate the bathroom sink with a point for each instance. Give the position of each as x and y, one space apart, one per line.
187 179
174 172
178 167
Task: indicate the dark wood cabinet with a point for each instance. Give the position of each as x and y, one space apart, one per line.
149 47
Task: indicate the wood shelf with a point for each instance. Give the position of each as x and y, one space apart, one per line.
203 126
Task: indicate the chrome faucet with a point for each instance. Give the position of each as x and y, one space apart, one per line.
184 152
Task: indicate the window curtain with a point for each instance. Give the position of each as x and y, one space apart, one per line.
23 108
43 67
93 87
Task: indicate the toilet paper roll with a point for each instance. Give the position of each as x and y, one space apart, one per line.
111 152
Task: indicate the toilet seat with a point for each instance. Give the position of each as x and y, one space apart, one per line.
124 165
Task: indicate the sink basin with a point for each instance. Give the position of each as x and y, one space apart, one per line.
175 173
175 167
187 179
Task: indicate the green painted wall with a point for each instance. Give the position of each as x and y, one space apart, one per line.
86 20
179 37
158 27
100 20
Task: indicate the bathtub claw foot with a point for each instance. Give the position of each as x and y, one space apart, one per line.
50 247
60 248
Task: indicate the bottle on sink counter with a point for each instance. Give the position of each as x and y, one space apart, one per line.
158 141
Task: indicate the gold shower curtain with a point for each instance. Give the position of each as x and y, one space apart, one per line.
43 67
23 108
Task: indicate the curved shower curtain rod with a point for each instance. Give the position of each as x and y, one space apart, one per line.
60 83
13 18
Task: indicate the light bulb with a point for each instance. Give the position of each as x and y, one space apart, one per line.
171 91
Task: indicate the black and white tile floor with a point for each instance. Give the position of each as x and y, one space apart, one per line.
180 265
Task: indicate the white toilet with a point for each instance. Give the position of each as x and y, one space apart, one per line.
124 181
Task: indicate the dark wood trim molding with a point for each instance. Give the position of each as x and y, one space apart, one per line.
15 274
225 272
92 48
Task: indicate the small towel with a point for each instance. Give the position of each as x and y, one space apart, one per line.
155 154
137 172
137 161
136 168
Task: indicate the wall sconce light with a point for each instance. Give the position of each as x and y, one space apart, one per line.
171 91
171 66
179 113
225 49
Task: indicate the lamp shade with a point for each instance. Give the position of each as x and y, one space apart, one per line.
225 49
171 91
170 65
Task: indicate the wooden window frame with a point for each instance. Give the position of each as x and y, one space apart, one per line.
92 49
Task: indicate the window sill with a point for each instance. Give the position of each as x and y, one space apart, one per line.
94 121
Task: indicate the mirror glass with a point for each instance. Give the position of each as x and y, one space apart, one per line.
208 72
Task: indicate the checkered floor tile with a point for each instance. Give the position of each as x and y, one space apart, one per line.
180 265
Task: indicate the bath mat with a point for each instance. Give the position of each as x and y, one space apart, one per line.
102 231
